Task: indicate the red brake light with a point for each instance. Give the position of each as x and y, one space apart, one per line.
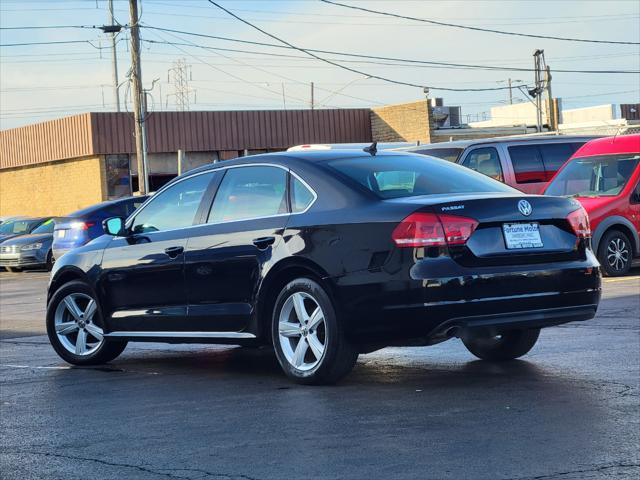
82 225
579 221
431 230
458 229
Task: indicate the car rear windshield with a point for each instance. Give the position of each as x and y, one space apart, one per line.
412 175
603 175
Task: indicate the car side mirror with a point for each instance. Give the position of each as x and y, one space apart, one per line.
114 226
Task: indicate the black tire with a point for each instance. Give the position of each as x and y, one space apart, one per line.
615 241
338 357
507 346
13 269
49 262
107 351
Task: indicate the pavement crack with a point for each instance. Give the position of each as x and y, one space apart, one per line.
102 462
594 469
158 471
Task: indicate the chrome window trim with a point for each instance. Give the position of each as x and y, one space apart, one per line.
130 220
235 335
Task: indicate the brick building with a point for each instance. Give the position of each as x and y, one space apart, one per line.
55 167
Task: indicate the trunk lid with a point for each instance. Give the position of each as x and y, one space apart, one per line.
512 229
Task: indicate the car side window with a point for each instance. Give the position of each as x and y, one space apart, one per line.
527 163
635 195
554 155
301 196
250 192
485 161
175 207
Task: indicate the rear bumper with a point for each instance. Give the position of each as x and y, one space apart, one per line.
441 295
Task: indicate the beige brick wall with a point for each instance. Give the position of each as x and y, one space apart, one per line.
55 188
405 122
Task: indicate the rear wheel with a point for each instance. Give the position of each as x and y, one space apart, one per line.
75 327
308 338
615 253
506 346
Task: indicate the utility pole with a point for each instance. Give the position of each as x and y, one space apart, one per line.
538 57
510 93
553 111
139 107
312 99
114 58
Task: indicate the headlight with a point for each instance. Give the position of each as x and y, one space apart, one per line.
31 246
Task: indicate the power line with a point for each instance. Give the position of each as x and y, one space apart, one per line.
377 57
59 42
478 29
353 70
42 27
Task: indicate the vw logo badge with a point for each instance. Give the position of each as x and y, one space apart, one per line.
525 208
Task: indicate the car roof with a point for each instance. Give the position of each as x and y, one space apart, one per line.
287 159
515 138
610 145
101 205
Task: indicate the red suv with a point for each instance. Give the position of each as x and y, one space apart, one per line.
603 175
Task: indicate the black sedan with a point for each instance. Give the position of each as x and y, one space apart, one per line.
327 255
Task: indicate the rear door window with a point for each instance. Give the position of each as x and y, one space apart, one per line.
486 161
527 163
250 192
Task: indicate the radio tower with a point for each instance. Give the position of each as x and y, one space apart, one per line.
179 76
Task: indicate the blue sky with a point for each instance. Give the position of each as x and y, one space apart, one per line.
48 81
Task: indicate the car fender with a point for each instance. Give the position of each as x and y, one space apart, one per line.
610 222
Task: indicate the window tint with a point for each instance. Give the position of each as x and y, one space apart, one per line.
301 196
604 175
554 155
250 192
18 226
174 207
46 227
405 176
450 154
132 205
527 164
485 161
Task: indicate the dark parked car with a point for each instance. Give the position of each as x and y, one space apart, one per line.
82 226
526 163
31 250
21 226
327 255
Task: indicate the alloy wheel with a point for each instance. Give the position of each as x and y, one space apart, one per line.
302 331
617 253
75 325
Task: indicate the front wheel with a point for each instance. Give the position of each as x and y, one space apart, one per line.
308 338
506 346
615 253
74 327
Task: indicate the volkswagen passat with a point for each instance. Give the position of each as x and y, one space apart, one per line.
328 254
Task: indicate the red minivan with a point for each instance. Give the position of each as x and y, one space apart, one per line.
603 175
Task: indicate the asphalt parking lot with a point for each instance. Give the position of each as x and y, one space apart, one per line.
569 410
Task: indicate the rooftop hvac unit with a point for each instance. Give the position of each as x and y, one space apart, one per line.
446 117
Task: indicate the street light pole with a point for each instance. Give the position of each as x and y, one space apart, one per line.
139 109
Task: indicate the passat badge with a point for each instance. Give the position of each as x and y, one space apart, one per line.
525 208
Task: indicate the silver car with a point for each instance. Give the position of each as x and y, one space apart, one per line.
30 250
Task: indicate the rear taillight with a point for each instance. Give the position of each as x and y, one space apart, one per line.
431 230
82 225
579 221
